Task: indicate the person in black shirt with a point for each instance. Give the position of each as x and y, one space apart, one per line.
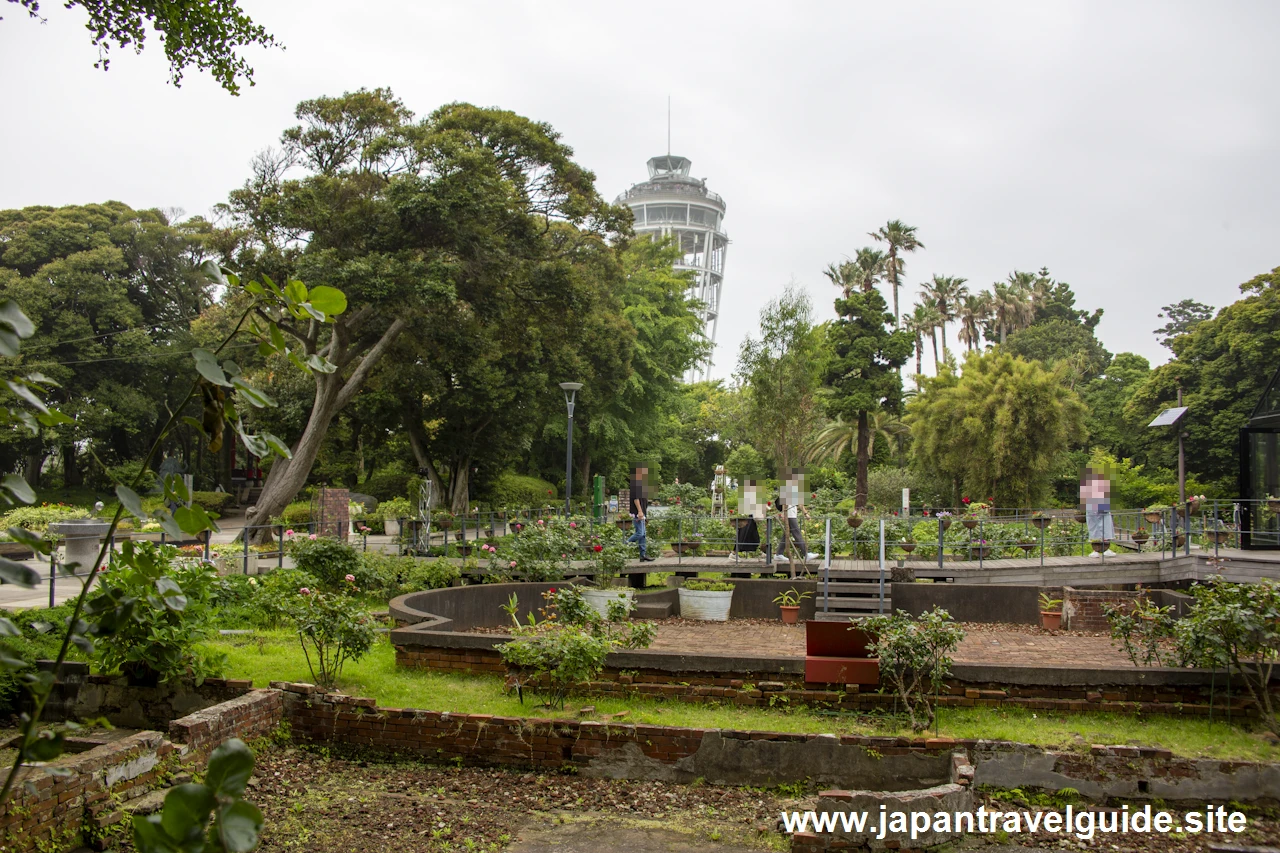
640 508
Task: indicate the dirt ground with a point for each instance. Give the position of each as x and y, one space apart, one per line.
316 803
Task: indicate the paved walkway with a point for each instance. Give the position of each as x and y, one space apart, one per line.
983 644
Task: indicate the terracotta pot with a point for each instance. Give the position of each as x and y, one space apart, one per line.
970 523
790 613
1051 620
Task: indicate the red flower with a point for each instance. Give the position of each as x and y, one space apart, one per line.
597 548
964 500
552 590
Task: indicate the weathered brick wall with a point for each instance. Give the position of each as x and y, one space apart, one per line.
55 811
1082 608
123 704
334 515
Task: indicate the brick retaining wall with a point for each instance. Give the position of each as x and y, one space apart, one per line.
1082 608
83 804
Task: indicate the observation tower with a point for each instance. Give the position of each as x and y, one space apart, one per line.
672 204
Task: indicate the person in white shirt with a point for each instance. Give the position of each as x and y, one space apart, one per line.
790 505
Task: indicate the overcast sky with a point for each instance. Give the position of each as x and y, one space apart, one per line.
1131 147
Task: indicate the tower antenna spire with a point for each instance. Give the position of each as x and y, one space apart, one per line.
668 125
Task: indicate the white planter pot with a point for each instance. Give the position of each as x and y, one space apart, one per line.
599 599
707 606
391 526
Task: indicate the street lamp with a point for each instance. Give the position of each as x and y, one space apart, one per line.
571 390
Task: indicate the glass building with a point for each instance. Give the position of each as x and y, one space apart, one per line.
673 204
1260 472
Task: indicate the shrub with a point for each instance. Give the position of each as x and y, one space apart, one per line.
540 548
519 491
212 501
386 487
700 585
155 610
397 508
568 645
682 494
1236 626
332 631
390 576
1143 629
296 514
125 473
40 517
915 657
40 630
328 560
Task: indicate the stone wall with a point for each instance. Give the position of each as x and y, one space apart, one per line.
48 811
123 704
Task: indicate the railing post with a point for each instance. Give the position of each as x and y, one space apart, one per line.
882 565
982 541
53 571
941 533
245 537
826 572
280 550
768 540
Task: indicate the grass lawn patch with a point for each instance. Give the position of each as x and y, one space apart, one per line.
277 656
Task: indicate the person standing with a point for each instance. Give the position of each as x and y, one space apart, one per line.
639 509
789 506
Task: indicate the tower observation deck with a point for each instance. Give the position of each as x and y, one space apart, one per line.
672 204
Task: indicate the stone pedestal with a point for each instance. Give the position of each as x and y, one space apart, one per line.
83 541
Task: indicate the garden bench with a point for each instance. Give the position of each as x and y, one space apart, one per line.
838 653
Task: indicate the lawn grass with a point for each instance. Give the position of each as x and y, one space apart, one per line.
276 656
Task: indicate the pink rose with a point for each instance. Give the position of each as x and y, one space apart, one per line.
351 578
572 525
513 564
289 532
312 537
304 591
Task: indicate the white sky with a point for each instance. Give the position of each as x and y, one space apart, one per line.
1131 147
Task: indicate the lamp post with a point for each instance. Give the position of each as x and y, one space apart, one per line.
571 390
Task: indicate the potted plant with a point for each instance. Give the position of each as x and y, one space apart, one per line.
1050 612
1026 543
607 560
443 520
392 511
789 604
625 520
908 544
969 522
1192 505
1273 503
1154 514
854 521
707 600
1081 518
1040 521
1140 536
944 520
981 549
1099 545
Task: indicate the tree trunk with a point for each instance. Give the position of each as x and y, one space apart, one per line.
71 473
934 335
944 339
460 486
33 464
864 460
919 360
332 393
893 276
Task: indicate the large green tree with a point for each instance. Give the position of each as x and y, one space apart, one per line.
863 372
780 373
900 239
1223 365
995 430
1060 342
415 221
111 292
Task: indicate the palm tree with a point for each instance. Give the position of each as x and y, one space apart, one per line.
870 266
973 313
1010 307
946 293
831 441
846 276
901 238
926 314
919 322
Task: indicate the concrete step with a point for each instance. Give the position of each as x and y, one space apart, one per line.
652 610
